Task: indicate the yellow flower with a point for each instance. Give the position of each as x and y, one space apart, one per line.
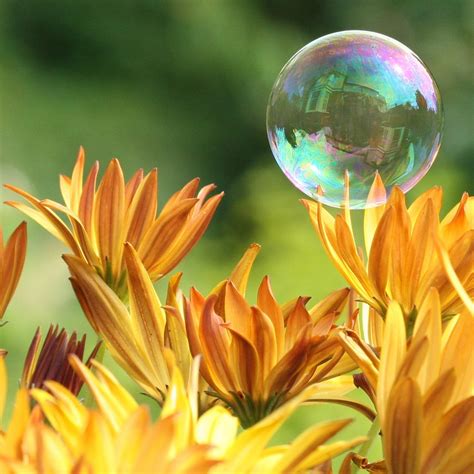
102 220
257 357
12 258
122 437
20 442
422 388
400 243
51 361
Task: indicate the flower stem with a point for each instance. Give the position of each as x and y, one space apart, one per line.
371 435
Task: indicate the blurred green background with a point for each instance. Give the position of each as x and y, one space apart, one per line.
183 85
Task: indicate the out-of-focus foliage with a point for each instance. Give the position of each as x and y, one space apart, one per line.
183 85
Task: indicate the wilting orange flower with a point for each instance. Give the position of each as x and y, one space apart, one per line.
12 258
401 247
102 220
422 389
51 361
257 357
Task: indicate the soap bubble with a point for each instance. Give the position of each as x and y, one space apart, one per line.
355 102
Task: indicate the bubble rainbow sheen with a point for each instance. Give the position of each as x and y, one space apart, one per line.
355 101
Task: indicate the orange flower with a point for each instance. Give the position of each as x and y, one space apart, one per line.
141 335
12 259
401 246
102 220
257 357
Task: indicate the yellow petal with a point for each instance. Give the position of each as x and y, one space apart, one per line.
218 428
177 402
97 446
373 213
115 403
3 387
303 446
453 277
361 354
458 354
46 218
76 181
87 203
391 359
250 444
146 312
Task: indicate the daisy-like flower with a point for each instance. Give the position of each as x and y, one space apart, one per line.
400 243
12 259
139 335
103 219
51 361
292 347
422 389
120 436
255 358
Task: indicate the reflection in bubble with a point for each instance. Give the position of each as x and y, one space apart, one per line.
354 101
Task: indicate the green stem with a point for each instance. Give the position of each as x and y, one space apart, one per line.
371 435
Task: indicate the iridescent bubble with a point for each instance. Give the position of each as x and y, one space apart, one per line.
359 102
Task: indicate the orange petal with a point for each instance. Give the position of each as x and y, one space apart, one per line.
187 238
132 185
87 202
240 274
268 304
142 210
379 257
163 232
215 343
333 303
263 338
12 259
297 320
237 311
245 364
109 217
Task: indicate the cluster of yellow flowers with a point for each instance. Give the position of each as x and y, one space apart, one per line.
226 373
